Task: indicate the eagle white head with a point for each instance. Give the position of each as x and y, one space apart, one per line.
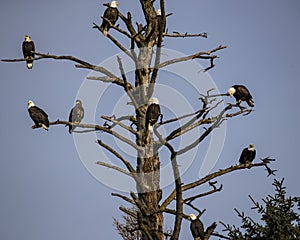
153 100
27 38
158 12
30 104
251 147
193 216
114 4
231 91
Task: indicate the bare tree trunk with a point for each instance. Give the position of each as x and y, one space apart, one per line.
148 165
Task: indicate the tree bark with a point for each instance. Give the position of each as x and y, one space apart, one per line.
149 192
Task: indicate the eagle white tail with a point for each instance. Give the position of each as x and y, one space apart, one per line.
105 32
45 127
150 128
250 103
29 65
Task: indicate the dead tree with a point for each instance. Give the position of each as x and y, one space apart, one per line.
146 43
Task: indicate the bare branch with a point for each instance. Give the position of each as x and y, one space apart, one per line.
71 58
114 167
184 35
190 125
179 118
199 55
130 213
161 23
222 172
120 46
210 230
129 167
128 117
216 124
82 64
114 152
128 23
19 59
116 42
127 90
211 176
196 209
97 128
117 122
106 79
178 131
174 212
123 197
112 26
215 189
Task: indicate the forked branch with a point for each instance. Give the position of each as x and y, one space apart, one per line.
118 155
117 122
98 128
215 189
199 55
219 173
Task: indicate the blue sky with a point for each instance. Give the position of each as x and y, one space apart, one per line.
46 191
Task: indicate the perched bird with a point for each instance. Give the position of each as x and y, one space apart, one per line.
159 23
76 115
241 93
28 49
248 154
39 117
111 14
196 227
152 114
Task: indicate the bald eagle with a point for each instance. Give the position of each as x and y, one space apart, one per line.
158 23
241 93
39 117
76 115
248 154
152 114
196 227
159 20
111 14
28 49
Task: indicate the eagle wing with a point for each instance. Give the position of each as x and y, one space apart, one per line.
27 47
197 229
152 114
244 92
38 115
253 155
76 115
41 111
243 157
110 14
